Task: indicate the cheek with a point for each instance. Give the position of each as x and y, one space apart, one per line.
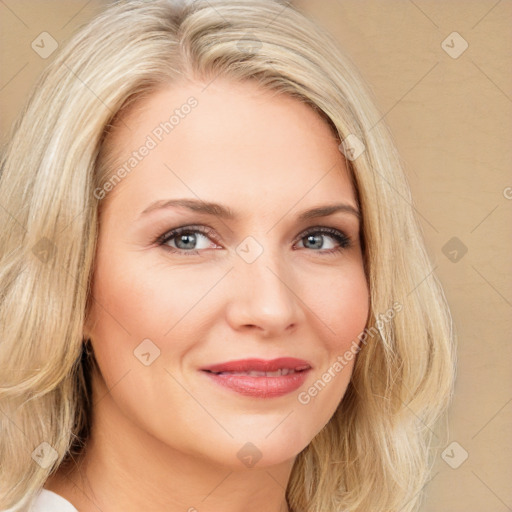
136 300
136 295
342 306
127 308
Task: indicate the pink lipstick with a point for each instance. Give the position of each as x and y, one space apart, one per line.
260 378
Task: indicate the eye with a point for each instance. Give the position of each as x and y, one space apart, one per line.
186 239
315 237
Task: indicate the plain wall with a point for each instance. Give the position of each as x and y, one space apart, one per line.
451 121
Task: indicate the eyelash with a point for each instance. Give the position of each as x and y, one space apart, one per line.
343 240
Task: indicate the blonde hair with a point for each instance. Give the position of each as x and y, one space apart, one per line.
375 452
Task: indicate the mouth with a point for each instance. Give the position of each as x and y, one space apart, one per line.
260 367
255 373
260 378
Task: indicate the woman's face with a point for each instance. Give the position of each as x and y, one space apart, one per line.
267 282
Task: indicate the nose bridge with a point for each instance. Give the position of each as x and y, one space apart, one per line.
263 287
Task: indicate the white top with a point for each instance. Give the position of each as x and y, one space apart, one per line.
48 501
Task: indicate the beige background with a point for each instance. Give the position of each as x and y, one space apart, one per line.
451 120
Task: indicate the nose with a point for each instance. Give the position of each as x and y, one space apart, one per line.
264 297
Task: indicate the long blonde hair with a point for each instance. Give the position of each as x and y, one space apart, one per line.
375 452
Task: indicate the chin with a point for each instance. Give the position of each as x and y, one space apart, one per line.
258 452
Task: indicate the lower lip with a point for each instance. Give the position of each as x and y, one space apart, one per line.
261 387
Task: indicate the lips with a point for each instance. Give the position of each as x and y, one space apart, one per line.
260 367
259 378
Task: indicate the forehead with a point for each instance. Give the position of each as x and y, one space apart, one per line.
229 142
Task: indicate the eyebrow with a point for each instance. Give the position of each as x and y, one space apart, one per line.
224 212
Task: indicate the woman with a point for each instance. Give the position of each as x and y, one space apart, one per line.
213 292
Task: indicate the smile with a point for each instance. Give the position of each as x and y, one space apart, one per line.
260 378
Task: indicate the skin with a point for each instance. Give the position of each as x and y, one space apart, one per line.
164 437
